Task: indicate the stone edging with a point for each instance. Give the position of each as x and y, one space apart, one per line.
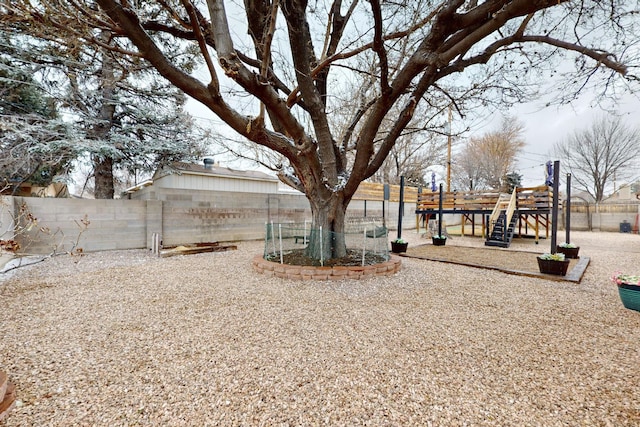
304 272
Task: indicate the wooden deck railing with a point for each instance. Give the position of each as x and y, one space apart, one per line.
497 209
470 200
535 198
511 208
527 198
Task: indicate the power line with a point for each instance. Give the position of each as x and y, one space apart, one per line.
531 167
545 156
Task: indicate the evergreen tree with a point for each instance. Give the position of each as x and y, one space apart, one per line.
33 146
124 116
512 180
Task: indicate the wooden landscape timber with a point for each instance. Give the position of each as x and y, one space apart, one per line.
195 248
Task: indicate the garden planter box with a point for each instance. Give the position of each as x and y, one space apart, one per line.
549 266
630 296
568 252
438 241
397 248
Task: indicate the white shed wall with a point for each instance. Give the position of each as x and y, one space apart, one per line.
216 183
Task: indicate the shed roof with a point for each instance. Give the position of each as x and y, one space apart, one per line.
213 170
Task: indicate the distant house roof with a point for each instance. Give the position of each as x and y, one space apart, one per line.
26 189
211 170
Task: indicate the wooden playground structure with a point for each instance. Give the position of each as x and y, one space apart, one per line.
503 215
525 212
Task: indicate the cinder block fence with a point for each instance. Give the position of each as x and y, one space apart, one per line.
46 225
179 217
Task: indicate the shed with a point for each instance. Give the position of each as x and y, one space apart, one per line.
213 177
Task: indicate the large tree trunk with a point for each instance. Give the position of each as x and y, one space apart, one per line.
327 240
103 177
103 167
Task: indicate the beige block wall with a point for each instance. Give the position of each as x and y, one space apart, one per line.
112 224
7 212
179 217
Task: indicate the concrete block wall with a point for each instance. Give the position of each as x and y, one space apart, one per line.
579 221
113 224
7 214
607 217
179 217
610 221
224 219
153 220
208 216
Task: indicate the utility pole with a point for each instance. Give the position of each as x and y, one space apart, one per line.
449 152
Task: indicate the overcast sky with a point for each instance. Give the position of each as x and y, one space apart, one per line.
543 128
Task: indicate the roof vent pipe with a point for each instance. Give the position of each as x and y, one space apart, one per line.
208 163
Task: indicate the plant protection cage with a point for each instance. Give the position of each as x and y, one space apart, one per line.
366 243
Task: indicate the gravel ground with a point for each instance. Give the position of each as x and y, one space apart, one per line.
520 257
122 338
502 258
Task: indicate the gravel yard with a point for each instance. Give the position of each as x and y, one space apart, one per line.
122 338
499 258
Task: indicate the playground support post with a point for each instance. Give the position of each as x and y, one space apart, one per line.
554 208
418 215
449 151
401 207
386 191
567 226
440 212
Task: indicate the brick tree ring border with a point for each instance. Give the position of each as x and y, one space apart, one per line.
307 272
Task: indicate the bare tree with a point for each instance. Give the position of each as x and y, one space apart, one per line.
595 156
411 157
281 92
487 160
467 175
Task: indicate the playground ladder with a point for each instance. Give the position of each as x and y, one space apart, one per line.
502 221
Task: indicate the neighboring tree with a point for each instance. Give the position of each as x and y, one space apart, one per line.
486 161
131 118
34 143
511 181
466 173
281 93
607 150
411 158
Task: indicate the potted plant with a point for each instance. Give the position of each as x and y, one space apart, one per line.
399 245
568 249
629 289
553 264
438 240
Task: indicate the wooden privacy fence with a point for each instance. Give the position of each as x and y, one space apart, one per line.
373 191
580 206
467 201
